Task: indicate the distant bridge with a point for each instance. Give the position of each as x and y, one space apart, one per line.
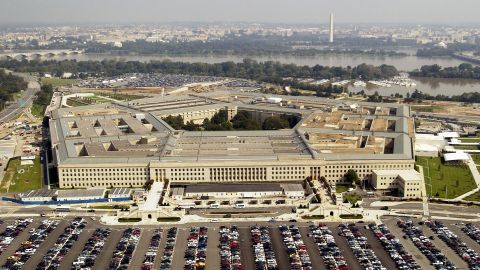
39 54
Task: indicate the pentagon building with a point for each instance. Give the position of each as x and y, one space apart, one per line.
128 144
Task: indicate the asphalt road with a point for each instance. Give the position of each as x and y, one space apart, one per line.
12 111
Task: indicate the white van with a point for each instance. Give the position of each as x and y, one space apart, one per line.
214 206
239 205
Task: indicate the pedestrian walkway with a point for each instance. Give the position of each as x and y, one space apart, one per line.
476 177
153 197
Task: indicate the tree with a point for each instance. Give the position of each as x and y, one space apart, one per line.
274 123
352 177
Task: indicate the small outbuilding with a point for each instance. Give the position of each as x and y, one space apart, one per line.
83 195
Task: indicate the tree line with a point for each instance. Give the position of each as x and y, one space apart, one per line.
9 85
472 97
462 71
247 69
241 121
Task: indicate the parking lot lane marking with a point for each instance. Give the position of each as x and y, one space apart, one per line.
213 251
279 248
408 245
141 249
312 249
76 249
161 248
457 229
246 251
18 241
352 262
103 260
377 247
446 250
178 261
46 245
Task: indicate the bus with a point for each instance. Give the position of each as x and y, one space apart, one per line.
62 208
187 205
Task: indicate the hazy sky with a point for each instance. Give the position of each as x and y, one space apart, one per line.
289 11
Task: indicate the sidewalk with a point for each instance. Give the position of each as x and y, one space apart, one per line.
476 177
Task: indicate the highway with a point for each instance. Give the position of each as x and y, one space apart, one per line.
12 111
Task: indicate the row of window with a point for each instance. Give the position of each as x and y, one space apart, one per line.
106 170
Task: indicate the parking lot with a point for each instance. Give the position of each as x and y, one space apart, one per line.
75 243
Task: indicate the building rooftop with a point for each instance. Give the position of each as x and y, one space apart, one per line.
292 187
120 191
133 132
78 193
38 193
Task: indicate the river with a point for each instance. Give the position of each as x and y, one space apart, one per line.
402 63
431 86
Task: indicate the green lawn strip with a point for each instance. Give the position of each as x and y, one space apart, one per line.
350 216
57 81
22 178
466 147
129 219
168 219
470 140
116 206
314 217
454 179
426 108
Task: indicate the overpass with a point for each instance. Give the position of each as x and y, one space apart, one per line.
38 54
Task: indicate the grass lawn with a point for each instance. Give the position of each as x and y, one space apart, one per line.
339 188
76 103
29 177
426 108
475 197
466 147
38 110
122 97
107 207
470 140
476 158
352 198
455 179
57 81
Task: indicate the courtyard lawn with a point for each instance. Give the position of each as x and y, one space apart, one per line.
20 178
55 82
76 102
447 181
121 97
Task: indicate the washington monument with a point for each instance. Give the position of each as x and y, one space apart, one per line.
331 28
